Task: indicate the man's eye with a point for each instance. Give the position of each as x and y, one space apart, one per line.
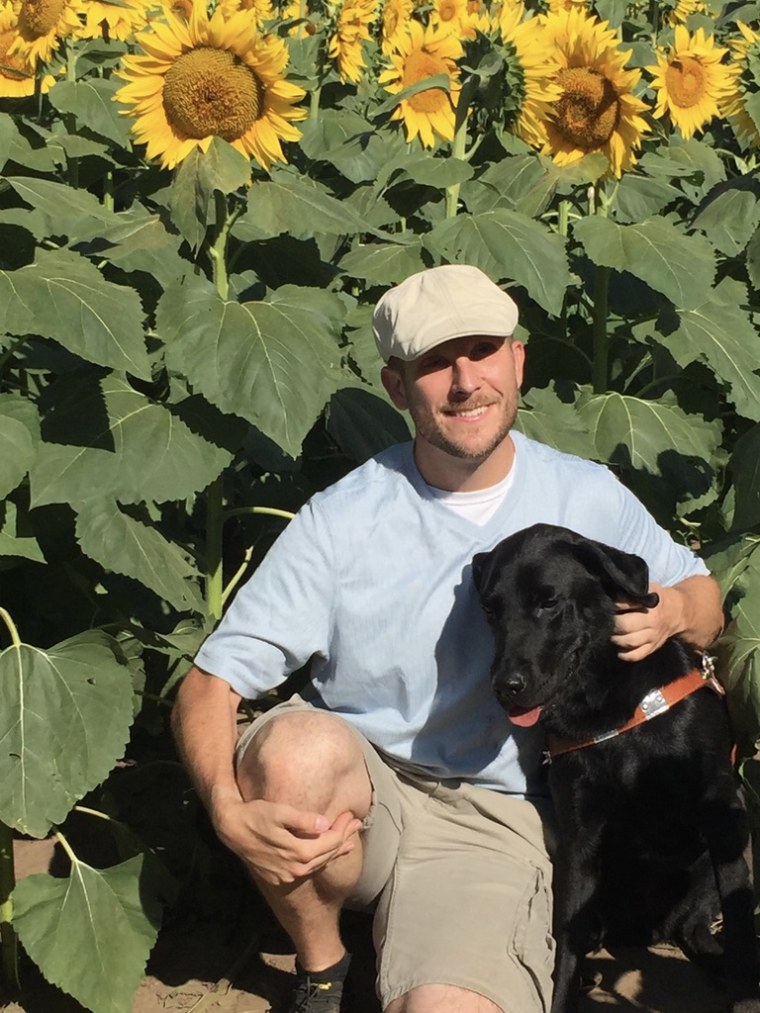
483 350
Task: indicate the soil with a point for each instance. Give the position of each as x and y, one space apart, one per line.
229 956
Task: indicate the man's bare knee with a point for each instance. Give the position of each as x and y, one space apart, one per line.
308 759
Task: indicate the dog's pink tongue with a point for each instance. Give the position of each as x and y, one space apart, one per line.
524 718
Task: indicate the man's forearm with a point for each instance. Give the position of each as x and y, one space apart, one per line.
698 614
204 726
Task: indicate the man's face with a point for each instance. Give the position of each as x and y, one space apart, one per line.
462 395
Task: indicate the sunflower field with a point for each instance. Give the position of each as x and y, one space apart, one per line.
199 207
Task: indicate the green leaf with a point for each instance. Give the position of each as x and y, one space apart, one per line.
720 334
16 453
91 933
16 539
745 469
383 263
129 447
64 297
91 102
681 267
68 212
347 141
753 260
64 721
645 431
126 546
221 168
427 170
545 417
507 244
729 220
363 424
138 241
274 363
289 205
637 197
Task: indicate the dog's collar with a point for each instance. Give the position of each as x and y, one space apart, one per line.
657 701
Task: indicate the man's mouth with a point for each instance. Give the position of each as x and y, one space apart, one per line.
467 413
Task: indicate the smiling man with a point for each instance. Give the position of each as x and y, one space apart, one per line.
396 783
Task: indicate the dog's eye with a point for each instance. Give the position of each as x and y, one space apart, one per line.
545 604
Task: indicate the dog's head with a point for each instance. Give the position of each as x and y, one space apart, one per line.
549 596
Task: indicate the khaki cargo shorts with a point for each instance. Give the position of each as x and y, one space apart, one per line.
459 879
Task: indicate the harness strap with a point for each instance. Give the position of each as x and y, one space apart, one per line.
657 701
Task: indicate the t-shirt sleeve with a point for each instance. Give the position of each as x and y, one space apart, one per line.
639 533
282 615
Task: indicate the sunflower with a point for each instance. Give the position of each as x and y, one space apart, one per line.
449 14
557 6
16 76
425 52
533 68
104 20
298 10
210 77
258 10
684 9
41 26
597 110
352 28
690 81
394 22
743 50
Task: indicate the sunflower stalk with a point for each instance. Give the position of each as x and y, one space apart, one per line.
458 148
8 938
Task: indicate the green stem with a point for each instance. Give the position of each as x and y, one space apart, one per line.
217 251
8 940
457 151
271 511
108 202
6 617
214 526
314 104
69 118
600 369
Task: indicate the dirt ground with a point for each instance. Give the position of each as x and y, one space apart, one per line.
206 962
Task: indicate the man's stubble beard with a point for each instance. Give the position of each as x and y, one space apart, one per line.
425 428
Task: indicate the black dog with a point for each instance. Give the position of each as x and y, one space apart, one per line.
650 817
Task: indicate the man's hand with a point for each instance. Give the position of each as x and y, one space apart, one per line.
281 844
639 631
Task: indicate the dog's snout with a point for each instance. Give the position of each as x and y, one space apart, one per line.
508 686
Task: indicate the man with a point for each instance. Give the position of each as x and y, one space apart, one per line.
399 783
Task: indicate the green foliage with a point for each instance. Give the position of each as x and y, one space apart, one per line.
182 351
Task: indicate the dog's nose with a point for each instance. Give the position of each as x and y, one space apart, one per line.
507 687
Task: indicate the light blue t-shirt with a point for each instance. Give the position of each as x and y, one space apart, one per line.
372 581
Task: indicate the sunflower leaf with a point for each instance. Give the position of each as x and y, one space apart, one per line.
131 448
64 720
680 267
64 297
745 467
250 358
507 244
90 933
91 102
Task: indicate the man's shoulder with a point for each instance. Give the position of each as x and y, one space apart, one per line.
369 481
546 456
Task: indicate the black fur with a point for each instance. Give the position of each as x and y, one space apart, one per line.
650 821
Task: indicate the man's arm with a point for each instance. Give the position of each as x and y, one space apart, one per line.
690 609
279 843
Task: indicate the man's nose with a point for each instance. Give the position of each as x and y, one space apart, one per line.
465 377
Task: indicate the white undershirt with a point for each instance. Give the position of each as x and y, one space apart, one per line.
478 506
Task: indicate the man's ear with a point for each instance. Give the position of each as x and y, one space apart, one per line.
394 385
518 352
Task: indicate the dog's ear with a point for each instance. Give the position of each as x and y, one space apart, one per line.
623 574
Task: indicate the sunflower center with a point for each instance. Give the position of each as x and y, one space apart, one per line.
588 111
38 17
447 11
685 81
210 91
418 66
11 67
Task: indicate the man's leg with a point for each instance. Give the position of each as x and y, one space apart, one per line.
442 999
313 761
